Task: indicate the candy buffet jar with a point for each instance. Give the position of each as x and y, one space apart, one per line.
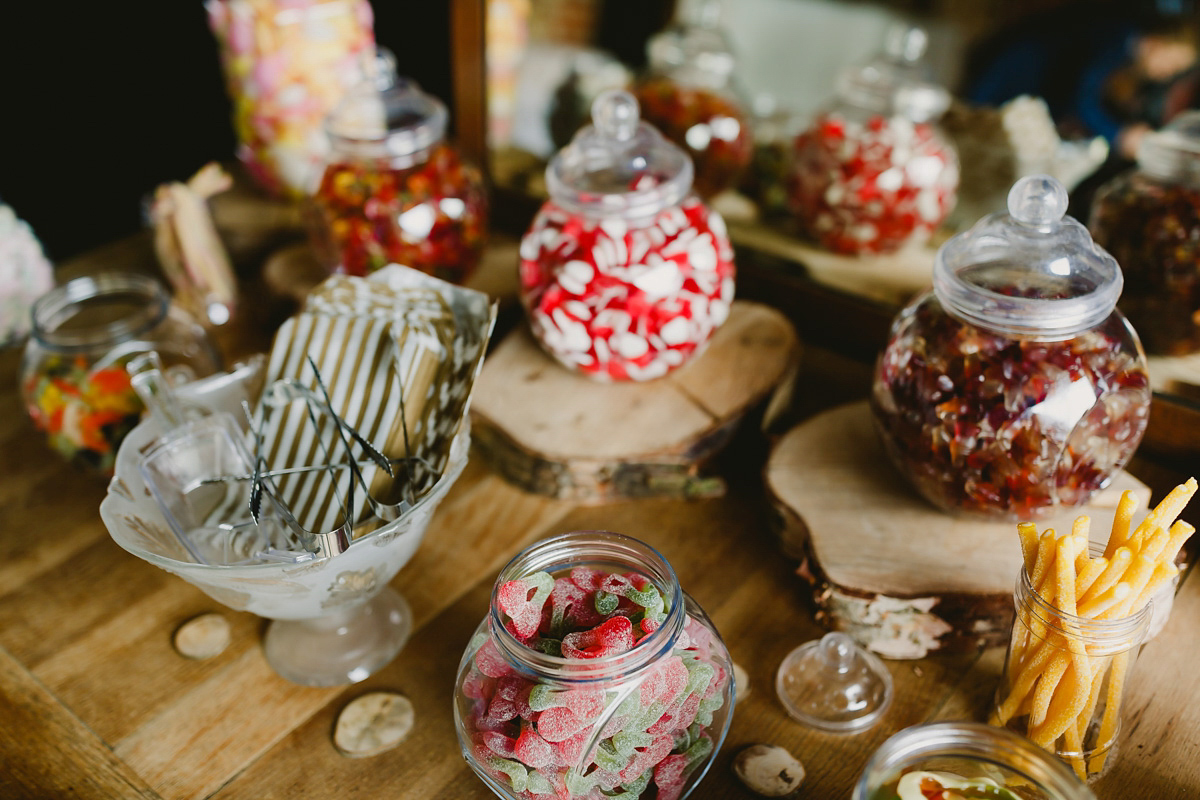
393 190
624 273
73 377
287 63
593 675
1149 219
971 760
688 93
1014 388
873 173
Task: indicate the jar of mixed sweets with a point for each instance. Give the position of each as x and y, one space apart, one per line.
73 377
394 191
1014 388
965 760
1149 219
593 675
873 173
689 94
625 274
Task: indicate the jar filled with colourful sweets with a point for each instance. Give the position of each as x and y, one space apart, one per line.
287 63
689 94
1149 219
1014 388
73 377
394 191
966 761
593 675
873 173
625 273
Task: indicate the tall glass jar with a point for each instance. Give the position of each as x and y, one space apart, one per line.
73 377
1149 219
287 63
1065 676
689 94
961 756
592 675
625 274
1014 388
393 190
873 173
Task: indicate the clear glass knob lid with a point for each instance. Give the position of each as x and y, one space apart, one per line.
697 45
618 166
386 115
896 81
1032 272
834 684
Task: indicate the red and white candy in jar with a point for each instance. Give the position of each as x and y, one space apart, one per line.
625 274
873 173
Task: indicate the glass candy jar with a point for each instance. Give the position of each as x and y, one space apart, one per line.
394 191
688 93
1014 388
1149 219
592 675
73 377
969 759
873 173
624 273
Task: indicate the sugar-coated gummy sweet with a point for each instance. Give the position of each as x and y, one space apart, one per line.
668 776
532 750
522 601
489 661
559 723
613 637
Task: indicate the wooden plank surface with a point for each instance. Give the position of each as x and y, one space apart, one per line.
94 702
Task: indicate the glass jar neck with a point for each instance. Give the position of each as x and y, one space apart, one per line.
597 550
98 311
1102 637
398 151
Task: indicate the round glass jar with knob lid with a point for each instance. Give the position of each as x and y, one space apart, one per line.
1149 219
689 93
393 190
593 675
873 172
625 273
1014 388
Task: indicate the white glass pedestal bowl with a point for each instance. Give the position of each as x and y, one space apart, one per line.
334 620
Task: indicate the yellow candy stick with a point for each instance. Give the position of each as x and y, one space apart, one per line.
1028 534
1112 711
1154 544
1120 528
1088 575
1167 511
1102 603
1044 692
1164 573
1118 562
1029 674
1180 533
1137 576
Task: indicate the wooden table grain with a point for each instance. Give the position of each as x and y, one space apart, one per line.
95 702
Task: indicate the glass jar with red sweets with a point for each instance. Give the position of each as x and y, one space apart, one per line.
625 273
1014 388
1149 219
393 190
873 173
593 675
689 94
73 377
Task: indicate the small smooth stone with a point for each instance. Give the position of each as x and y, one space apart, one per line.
768 770
373 723
203 637
741 681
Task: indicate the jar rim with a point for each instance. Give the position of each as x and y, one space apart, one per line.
593 547
56 306
976 741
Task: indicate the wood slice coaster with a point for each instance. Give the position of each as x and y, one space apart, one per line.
885 566
557 433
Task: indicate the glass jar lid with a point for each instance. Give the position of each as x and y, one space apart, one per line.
386 116
1173 152
897 80
695 49
1032 272
618 166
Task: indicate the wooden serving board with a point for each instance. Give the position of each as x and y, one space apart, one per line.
885 566
558 433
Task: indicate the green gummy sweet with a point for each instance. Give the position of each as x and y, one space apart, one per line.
636 787
609 759
539 783
649 597
517 774
626 741
542 697
579 785
700 749
606 603
551 647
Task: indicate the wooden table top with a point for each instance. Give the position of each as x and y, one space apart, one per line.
96 703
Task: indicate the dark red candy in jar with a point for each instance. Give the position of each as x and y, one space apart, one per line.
624 274
690 95
1149 219
1014 388
873 173
394 191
